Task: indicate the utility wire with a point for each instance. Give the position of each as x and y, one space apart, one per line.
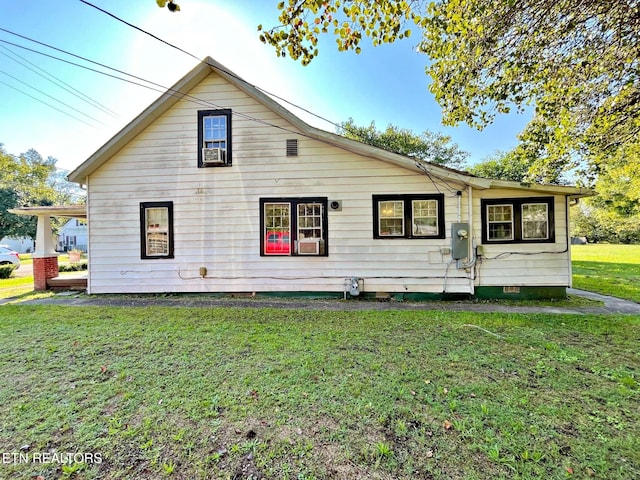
164 90
161 89
55 80
173 92
48 105
79 65
80 57
51 97
339 127
139 29
231 74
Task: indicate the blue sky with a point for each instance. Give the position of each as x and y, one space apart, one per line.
384 84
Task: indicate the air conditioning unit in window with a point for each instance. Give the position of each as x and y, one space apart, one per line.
309 246
214 156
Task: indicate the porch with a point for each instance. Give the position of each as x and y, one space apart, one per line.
46 273
69 281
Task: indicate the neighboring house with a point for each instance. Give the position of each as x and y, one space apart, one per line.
217 188
73 235
20 244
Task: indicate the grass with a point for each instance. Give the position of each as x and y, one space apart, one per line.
230 393
15 286
608 269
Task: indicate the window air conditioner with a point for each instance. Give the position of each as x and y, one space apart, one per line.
213 156
309 246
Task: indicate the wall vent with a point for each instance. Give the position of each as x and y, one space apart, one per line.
292 147
511 289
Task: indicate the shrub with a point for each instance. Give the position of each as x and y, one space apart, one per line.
72 267
6 270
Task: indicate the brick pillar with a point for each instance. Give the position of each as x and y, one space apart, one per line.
43 269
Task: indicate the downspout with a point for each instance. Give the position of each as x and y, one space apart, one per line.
88 238
472 243
471 252
568 228
458 220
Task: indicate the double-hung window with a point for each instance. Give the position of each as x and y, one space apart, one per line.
156 230
214 138
293 226
518 220
408 216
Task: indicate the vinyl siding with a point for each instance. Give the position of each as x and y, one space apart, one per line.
217 214
518 264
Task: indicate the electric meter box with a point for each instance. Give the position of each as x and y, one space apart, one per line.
460 233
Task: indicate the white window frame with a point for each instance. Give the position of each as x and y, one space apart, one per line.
306 231
392 215
545 221
214 141
432 207
490 222
518 206
403 210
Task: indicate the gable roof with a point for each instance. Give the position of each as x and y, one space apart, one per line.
209 65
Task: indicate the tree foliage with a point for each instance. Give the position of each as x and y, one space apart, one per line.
433 147
597 223
171 6
502 166
29 180
574 63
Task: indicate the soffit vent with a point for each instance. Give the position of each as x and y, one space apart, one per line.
292 147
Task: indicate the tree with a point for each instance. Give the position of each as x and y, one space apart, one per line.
27 181
614 215
502 166
171 6
575 63
433 147
597 223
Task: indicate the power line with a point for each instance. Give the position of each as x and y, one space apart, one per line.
80 57
55 80
78 65
47 104
161 89
177 93
139 29
339 127
51 97
231 74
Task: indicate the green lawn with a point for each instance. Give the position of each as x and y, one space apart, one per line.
229 393
262 393
15 286
608 269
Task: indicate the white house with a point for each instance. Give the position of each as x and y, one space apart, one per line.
73 235
215 187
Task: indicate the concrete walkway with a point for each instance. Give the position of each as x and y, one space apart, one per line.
610 305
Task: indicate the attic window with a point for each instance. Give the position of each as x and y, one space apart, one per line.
214 138
292 147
